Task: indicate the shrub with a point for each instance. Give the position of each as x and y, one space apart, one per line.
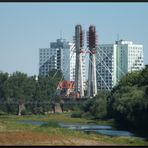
3 113
76 114
50 124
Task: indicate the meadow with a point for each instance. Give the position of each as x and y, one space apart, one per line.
14 133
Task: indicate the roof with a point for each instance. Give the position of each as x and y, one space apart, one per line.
66 84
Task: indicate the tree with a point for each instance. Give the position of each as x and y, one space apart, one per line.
18 92
97 106
144 76
130 79
45 90
3 89
128 101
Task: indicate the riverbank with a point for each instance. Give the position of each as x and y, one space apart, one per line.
13 133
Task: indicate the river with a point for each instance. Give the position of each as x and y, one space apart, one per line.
87 128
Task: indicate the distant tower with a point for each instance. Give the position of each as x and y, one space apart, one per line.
79 87
92 84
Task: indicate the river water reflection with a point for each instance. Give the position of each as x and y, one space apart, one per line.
98 129
88 128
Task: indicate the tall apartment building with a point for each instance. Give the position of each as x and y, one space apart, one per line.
106 66
47 60
68 63
62 56
114 60
57 57
129 57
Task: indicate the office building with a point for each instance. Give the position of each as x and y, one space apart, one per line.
106 66
61 56
129 57
113 61
47 60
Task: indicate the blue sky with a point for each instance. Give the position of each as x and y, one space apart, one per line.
26 27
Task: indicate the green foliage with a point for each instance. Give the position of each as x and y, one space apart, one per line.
50 124
97 106
19 88
3 80
130 79
9 123
87 115
144 77
128 102
3 113
76 114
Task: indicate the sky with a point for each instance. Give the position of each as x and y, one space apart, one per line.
26 27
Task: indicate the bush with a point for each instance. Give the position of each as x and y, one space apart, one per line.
3 113
76 114
128 103
50 124
87 115
25 112
96 108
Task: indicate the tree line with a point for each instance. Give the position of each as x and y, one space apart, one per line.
19 90
127 103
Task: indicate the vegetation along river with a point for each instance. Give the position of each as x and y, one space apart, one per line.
87 128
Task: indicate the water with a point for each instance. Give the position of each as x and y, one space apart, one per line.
110 132
84 126
87 128
97 129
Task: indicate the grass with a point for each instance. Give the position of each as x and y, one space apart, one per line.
8 123
50 124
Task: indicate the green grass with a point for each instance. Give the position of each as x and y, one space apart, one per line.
9 123
50 124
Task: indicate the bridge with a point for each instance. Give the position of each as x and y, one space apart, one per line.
75 92
76 89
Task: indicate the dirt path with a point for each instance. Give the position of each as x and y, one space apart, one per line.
30 138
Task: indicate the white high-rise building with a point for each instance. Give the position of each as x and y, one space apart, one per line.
115 60
47 60
129 57
69 62
57 57
62 56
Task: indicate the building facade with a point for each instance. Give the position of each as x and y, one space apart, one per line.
115 60
129 57
106 66
47 60
61 56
